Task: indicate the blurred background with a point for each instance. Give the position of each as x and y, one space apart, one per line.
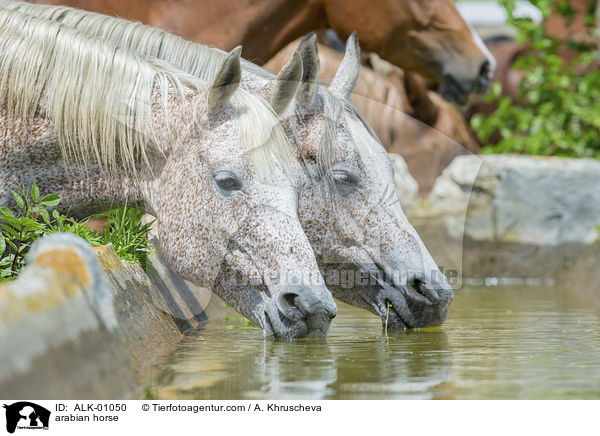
543 99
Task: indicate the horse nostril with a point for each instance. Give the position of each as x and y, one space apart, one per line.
485 70
303 303
289 299
287 302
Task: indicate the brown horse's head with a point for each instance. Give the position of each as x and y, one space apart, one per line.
426 36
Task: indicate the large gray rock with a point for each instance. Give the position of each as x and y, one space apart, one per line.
516 216
533 200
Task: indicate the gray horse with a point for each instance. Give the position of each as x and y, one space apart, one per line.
99 125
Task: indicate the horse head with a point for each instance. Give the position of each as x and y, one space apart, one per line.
368 252
227 211
426 36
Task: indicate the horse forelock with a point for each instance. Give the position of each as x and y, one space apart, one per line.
262 137
334 109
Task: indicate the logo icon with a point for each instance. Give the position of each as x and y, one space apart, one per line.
26 415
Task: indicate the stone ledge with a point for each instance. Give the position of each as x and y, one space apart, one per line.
81 323
512 216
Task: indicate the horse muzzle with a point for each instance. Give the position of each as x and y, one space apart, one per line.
300 311
415 304
456 87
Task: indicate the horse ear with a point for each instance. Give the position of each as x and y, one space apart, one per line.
227 81
287 84
424 109
345 78
309 53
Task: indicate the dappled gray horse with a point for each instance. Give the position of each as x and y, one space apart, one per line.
370 254
367 250
101 126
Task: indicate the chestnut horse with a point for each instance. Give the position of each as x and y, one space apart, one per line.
426 36
409 119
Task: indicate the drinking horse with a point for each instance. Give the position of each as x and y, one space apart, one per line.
99 125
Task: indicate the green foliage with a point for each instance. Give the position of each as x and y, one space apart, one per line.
18 231
246 322
559 109
124 229
128 235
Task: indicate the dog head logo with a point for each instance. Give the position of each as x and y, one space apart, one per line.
26 415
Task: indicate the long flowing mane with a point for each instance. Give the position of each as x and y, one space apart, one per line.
101 97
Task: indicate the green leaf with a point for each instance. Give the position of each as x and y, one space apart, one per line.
2 244
25 221
50 200
12 221
35 193
6 212
44 214
12 244
32 227
18 199
10 232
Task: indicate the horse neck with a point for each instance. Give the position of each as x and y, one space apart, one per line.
268 25
281 22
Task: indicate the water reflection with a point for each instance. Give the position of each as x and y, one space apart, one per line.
497 343
350 363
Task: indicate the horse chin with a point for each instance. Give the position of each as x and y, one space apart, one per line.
452 93
278 326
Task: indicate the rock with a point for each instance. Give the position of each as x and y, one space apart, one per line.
406 186
525 199
76 314
58 327
515 215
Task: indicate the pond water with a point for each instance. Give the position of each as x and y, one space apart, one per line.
498 343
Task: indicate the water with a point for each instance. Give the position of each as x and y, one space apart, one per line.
498 343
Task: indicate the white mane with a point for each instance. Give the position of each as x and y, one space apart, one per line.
100 97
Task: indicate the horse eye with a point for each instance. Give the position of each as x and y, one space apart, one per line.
227 181
344 177
345 180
